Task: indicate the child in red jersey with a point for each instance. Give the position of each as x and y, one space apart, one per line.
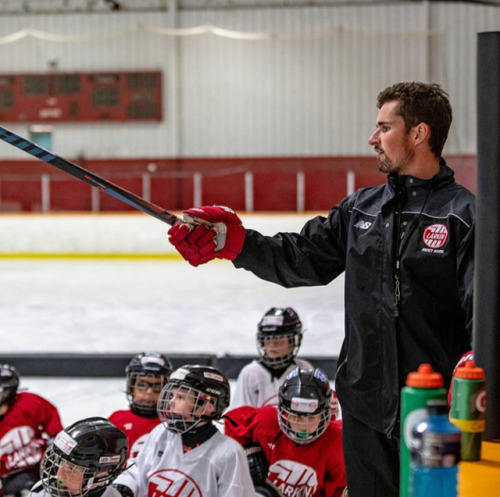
27 422
300 443
146 374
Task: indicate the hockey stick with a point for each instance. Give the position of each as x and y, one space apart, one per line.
83 174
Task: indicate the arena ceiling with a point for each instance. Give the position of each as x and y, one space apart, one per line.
85 6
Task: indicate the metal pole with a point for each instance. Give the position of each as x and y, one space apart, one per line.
486 342
146 186
45 184
197 189
249 192
351 182
301 191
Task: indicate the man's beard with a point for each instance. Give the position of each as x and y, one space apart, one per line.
397 166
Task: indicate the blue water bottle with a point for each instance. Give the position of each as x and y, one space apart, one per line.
435 453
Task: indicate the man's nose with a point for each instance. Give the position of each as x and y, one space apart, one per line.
374 137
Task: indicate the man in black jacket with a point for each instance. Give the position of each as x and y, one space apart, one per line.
407 250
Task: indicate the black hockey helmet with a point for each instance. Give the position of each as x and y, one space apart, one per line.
206 393
305 393
279 322
141 367
9 383
84 458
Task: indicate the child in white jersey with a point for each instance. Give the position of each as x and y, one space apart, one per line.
279 335
187 454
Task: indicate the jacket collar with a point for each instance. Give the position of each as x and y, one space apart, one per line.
445 176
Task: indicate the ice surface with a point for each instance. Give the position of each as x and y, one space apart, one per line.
130 306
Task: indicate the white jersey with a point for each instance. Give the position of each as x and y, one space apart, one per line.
257 387
216 468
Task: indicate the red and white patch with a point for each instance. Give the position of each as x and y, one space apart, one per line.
435 235
172 483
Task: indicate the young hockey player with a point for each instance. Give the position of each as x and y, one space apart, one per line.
147 373
83 460
27 422
279 335
188 455
295 450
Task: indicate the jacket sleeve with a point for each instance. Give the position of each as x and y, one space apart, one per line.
313 257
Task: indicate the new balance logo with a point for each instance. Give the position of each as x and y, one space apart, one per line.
362 225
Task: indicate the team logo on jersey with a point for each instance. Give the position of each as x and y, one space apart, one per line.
20 449
172 483
435 235
293 479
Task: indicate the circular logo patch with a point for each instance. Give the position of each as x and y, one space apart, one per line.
435 235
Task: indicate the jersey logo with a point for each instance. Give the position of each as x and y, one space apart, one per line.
293 479
435 235
19 449
172 483
363 225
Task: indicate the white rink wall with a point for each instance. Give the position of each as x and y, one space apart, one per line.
120 234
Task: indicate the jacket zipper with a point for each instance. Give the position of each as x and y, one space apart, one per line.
397 259
399 238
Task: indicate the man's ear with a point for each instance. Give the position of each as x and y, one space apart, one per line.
421 133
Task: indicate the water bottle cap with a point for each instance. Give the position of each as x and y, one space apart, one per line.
425 377
470 371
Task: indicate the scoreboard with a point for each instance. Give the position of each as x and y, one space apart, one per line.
76 97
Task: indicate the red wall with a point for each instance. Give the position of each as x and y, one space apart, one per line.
223 181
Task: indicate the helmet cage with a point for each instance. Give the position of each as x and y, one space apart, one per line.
144 382
66 475
140 372
204 393
294 341
279 323
305 394
291 422
62 478
195 410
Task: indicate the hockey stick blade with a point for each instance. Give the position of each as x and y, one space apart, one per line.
83 174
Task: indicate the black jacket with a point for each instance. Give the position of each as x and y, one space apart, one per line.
417 232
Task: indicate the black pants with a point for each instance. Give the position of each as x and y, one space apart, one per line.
371 460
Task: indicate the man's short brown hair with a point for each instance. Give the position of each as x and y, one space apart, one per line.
421 103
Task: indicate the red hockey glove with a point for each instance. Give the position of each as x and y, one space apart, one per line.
196 245
210 232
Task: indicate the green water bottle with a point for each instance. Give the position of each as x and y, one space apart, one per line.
468 405
421 386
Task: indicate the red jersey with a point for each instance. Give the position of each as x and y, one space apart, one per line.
24 431
136 428
312 470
